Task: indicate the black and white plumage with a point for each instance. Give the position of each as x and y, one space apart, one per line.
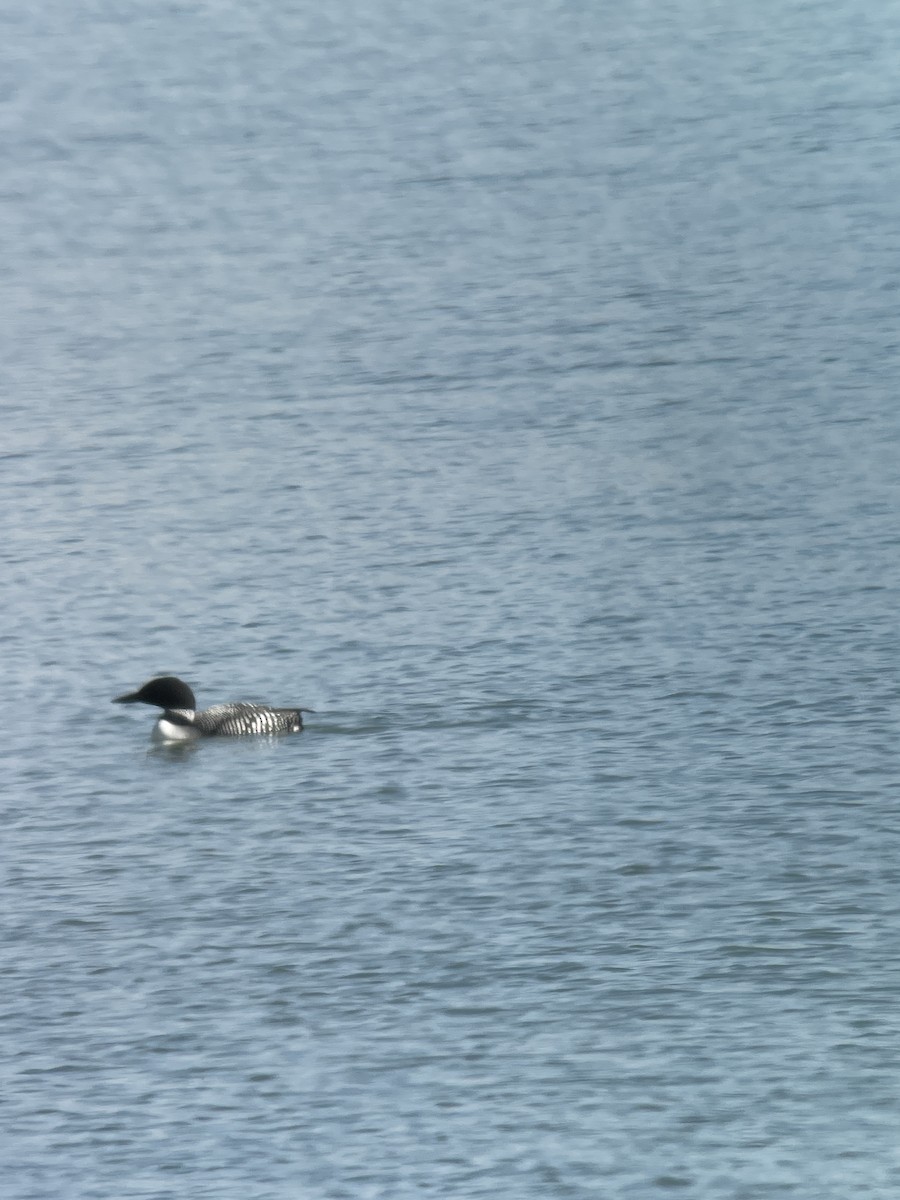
181 721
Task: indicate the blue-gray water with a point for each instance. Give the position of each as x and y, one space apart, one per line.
516 385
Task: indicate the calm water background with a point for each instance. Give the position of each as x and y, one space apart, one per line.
516 385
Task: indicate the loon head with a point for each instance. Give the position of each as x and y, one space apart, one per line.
166 692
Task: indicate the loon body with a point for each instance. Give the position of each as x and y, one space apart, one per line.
181 722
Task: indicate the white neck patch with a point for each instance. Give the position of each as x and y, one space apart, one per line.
170 732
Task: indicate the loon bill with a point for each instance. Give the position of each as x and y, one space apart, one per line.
181 722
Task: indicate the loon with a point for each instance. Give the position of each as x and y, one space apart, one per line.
181 722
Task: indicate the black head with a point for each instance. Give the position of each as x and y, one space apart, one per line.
165 692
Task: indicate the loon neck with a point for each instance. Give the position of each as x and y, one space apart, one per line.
178 716
176 725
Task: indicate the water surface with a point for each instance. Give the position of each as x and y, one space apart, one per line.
517 388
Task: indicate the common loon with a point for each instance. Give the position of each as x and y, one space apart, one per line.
181 722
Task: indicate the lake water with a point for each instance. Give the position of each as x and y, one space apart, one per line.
515 385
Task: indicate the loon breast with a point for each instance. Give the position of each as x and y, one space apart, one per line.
174 731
